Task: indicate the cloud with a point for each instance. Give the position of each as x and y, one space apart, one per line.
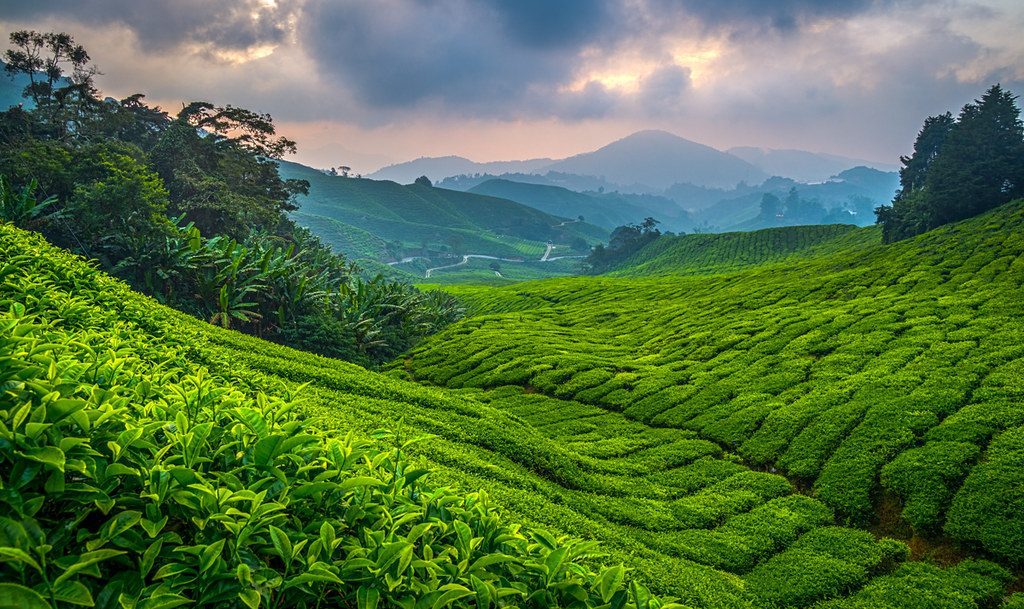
487 58
232 25
853 76
785 16
663 90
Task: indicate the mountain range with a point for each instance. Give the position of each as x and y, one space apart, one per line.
645 162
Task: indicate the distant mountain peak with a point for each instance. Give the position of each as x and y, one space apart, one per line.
659 159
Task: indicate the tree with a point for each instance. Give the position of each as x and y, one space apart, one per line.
117 198
228 182
926 149
22 208
623 242
424 181
64 98
771 206
959 168
981 165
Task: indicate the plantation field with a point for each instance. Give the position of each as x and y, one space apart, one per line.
343 238
540 432
358 217
876 378
724 252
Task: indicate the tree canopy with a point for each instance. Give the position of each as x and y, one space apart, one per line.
959 167
191 209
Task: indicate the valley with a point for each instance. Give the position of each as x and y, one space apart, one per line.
601 366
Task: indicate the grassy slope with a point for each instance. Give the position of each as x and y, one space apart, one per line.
726 252
366 213
873 376
677 508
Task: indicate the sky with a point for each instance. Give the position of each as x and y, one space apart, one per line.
366 83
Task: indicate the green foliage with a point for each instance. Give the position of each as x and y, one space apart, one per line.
134 478
987 508
624 242
825 563
117 199
723 252
113 171
959 168
855 369
358 216
22 208
925 477
923 586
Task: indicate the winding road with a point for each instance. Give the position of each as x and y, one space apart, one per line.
547 257
466 258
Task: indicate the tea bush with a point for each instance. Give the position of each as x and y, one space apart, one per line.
134 478
579 470
852 368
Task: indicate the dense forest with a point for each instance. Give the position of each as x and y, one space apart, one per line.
190 209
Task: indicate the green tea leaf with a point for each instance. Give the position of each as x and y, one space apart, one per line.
610 581
367 597
74 593
13 596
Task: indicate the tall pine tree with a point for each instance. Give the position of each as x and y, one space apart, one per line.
981 165
959 168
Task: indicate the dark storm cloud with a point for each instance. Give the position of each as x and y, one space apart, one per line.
161 25
510 58
562 24
485 58
746 15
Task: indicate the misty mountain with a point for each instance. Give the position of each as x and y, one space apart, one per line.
658 160
802 165
849 197
569 181
437 168
605 210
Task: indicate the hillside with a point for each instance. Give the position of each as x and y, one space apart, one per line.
882 380
725 252
658 159
851 195
438 168
384 221
677 506
564 202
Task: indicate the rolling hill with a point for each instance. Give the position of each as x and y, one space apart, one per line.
383 220
604 211
882 380
438 168
700 254
639 413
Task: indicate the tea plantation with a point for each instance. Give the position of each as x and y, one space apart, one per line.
886 382
150 460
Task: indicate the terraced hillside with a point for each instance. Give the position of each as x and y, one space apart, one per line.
886 382
680 509
724 252
359 217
